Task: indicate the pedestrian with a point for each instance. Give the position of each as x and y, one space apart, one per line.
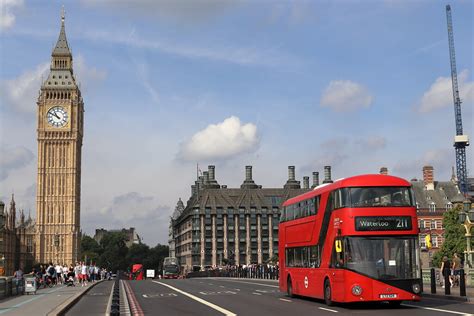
84 273
59 273
77 273
18 274
446 271
456 269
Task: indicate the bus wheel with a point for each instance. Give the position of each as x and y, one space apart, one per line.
327 293
289 288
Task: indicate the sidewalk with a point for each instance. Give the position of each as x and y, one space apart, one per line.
42 303
453 296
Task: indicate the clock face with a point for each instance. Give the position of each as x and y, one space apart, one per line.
57 116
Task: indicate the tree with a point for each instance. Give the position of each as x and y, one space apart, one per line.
90 249
137 253
454 236
114 251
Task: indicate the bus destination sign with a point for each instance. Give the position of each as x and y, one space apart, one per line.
375 223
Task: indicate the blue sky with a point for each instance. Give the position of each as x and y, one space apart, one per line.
353 84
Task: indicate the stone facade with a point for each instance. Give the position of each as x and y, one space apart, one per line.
60 109
16 240
234 225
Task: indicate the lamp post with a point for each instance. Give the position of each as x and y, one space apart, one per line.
2 245
466 218
56 245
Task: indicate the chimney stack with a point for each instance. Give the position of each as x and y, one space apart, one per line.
212 172
292 183
211 182
248 173
248 182
315 179
384 171
305 182
428 177
327 174
291 173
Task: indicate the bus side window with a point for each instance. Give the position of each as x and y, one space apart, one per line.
283 214
314 260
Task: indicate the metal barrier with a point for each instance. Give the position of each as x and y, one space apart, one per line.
238 272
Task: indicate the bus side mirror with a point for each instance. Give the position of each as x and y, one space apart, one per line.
338 246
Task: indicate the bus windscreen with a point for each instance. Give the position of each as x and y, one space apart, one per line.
383 258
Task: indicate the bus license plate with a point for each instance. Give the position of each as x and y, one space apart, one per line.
388 295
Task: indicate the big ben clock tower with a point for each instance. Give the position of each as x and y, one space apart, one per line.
60 131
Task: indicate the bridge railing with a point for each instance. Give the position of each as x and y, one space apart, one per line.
257 272
10 286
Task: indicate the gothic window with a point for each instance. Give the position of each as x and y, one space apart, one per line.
432 207
29 244
449 206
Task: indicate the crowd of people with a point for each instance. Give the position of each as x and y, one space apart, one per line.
53 274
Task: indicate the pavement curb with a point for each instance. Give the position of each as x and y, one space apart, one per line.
67 304
448 297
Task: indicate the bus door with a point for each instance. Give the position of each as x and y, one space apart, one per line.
316 274
337 269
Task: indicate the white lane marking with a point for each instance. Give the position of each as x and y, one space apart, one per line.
438 310
200 300
327 309
210 284
284 300
222 286
236 289
145 296
254 283
257 293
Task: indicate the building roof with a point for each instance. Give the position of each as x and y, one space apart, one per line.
443 193
235 198
62 47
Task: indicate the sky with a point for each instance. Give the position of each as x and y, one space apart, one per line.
170 84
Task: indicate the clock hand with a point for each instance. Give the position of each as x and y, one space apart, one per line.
55 114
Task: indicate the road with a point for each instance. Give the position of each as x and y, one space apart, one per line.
218 296
94 302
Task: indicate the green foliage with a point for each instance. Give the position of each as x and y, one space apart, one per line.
113 254
454 236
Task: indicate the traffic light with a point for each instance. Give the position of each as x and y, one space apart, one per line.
428 241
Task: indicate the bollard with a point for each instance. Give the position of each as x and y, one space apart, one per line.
421 273
447 283
433 281
462 283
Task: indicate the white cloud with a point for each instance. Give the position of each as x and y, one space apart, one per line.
183 10
440 93
372 143
7 18
346 96
442 159
221 141
132 209
12 158
246 56
21 93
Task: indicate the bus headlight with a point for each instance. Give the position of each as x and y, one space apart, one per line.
356 290
416 288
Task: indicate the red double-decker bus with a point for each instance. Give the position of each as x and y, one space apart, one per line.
354 240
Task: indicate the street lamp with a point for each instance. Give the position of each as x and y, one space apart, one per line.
56 245
2 229
466 218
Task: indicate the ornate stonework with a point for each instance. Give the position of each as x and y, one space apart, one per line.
60 132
